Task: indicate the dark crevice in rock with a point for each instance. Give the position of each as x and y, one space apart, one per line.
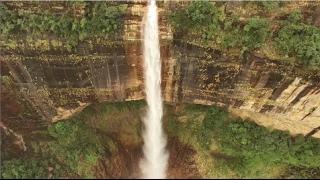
274 80
266 108
277 92
311 111
314 131
238 103
304 92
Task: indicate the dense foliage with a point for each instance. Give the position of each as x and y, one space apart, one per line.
203 17
100 19
200 16
206 24
250 37
71 149
226 146
256 32
269 5
246 149
24 168
74 147
301 40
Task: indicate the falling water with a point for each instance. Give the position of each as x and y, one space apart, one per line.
154 164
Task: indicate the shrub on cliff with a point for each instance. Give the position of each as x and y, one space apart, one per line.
232 33
101 19
256 31
72 149
300 40
269 5
23 168
205 20
199 17
243 147
251 36
82 144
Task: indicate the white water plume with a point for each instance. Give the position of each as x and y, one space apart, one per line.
154 164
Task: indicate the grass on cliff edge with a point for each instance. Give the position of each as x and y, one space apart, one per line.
225 146
73 147
100 19
231 147
288 37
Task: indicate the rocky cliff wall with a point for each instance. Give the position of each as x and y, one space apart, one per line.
56 84
269 92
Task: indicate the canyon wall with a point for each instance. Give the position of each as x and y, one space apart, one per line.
48 85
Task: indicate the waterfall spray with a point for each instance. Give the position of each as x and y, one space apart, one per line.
154 164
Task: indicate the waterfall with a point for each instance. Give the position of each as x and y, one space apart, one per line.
154 163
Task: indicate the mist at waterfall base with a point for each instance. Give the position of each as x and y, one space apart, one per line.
155 161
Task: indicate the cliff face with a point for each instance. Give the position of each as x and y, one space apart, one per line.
271 93
57 84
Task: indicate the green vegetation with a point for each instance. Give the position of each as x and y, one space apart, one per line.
226 147
269 5
71 150
200 16
250 37
256 32
207 24
301 40
204 18
101 19
73 147
243 149
24 168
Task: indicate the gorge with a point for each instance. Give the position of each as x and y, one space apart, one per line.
52 82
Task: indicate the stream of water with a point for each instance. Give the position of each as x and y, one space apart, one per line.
154 163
